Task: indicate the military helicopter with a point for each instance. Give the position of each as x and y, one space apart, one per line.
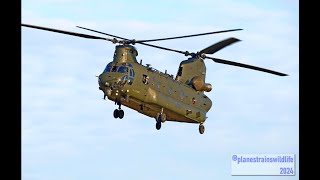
154 93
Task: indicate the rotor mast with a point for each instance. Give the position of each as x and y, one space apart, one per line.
125 54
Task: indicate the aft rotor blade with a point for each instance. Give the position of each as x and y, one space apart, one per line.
186 36
151 45
66 32
218 46
246 66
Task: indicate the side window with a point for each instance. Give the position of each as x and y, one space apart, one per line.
131 72
158 84
180 71
181 95
145 79
131 75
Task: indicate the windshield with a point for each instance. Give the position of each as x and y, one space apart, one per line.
123 69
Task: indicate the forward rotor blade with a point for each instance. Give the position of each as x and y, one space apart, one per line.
102 33
178 37
67 32
218 46
151 45
246 66
168 49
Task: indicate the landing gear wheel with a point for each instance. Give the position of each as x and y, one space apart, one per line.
116 113
201 128
158 125
120 113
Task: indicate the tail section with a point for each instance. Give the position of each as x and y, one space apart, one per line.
193 73
191 68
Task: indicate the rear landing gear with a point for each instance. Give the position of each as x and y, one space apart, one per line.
160 118
158 125
201 128
118 113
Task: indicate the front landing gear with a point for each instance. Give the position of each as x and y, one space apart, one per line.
201 128
118 113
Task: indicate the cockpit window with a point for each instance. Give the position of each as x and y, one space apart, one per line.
114 69
180 71
107 69
131 72
123 69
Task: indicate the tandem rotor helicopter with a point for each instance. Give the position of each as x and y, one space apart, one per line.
153 93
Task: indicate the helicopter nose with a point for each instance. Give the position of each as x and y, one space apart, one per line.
104 79
108 79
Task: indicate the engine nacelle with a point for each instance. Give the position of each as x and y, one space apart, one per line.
199 85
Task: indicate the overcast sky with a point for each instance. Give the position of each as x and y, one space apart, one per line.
68 130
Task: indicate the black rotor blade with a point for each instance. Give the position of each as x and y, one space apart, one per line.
168 49
218 46
178 37
246 66
102 33
151 45
66 32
